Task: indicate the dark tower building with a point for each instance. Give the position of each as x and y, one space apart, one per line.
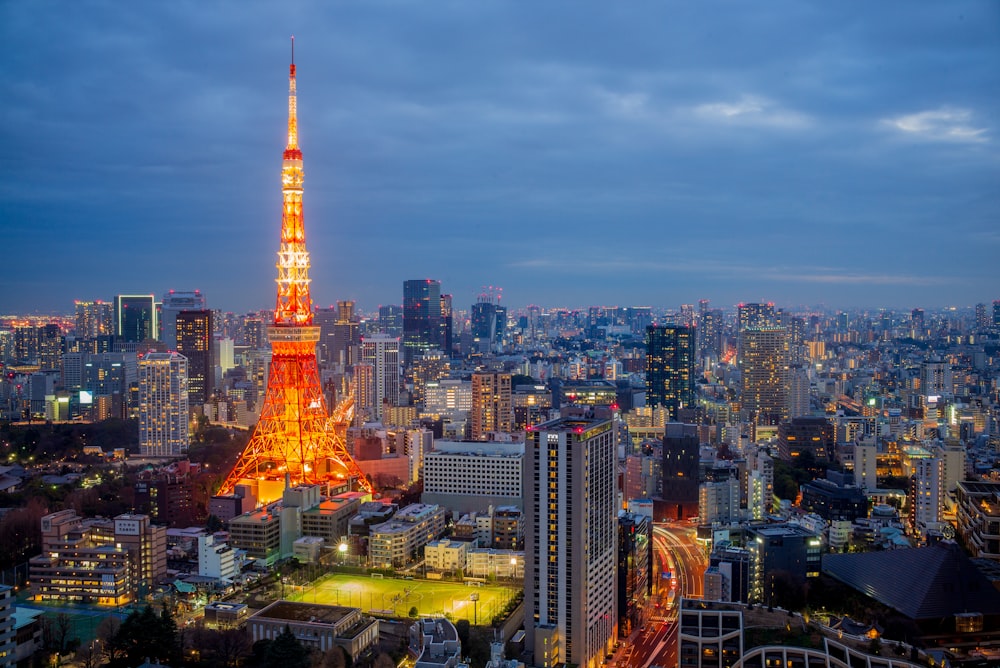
421 317
136 319
346 335
680 471
194 341
446 326
635 571
670 367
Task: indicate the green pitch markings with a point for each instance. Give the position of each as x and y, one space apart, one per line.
397 597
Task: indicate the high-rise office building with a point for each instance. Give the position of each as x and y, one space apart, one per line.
763 364
710 324
194 341
325 319
50 347
635 571
492 409
173 303
136 318
390 320
670 367
346 335
163 405
917 324
382 353
93 319
421 317
570 483
447 326
680 470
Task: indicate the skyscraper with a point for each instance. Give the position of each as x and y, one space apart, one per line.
136 318
571 612
346 335
163 405
670 367
173 303
421 317
193 330
763 364
447 324
390 320
680 470
492 409
756 315
381 352
93 319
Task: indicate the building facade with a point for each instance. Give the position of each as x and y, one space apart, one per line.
492 410
163 405
570 478
670 358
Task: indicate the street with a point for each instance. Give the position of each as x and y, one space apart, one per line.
675 551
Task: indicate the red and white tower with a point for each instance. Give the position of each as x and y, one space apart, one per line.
295 438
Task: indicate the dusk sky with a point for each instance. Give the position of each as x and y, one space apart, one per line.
573 153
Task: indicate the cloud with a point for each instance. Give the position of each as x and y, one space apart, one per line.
752 110
730 271
944 124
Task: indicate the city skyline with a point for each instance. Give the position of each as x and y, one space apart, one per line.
572 154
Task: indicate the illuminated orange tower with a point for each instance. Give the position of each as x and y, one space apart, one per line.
295 438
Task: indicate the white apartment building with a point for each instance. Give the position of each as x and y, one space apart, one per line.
215 559
400 540
471 476
446 555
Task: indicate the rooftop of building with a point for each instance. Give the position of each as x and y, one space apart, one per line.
949 583
574 424
307 613
781 530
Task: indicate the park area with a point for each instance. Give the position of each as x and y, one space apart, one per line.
477 602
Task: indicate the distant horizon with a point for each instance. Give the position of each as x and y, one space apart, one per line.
794 308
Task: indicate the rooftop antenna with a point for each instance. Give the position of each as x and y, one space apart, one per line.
293 49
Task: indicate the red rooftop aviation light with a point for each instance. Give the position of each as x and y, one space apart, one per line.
295 438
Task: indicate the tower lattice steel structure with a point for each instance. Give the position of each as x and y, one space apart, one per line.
295 438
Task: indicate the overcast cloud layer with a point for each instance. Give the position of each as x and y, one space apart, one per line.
572 153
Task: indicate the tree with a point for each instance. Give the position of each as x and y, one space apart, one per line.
88 655
213 524
463 627
285 651
414 613
334 658
383 660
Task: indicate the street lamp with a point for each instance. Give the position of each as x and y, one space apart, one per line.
342 549
475 608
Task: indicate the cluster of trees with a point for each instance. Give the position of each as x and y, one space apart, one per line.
46 442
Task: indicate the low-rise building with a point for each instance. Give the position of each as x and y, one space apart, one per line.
978 515
434 643
319 627
216 559
98 560
400 540
446 555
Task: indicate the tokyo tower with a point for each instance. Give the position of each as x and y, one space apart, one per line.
295 439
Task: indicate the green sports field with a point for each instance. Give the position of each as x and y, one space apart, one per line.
395 597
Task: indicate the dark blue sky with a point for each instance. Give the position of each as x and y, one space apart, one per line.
572 153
